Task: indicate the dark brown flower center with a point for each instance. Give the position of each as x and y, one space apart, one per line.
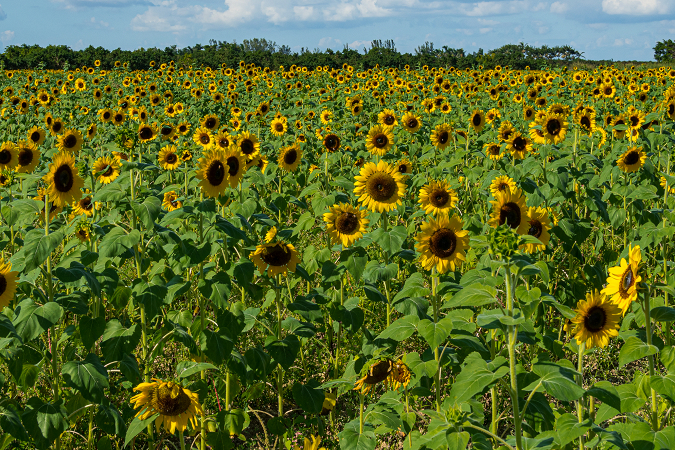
86 204
389 119
279 127
634 120
381 187
56 127
494 150
290 157
106 115
595 319
35 136
3 284
171 158
347 223
166 131
210 123
627 281
70 141
403 168
379 372
510 214
167 404
476 120
247 147
25 157
63 178
5 157
553 126
331 142
380 141
145 133
278 255
443 243
520 144
118 118
215 174
439 198
412 123
585 122
233 165
443 137
632 158
536 228
204 139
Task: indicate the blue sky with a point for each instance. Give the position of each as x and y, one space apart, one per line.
602 29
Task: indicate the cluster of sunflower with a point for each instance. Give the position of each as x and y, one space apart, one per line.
442 153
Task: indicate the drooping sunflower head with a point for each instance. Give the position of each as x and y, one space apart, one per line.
85 206
175 405
213 172
508 208
632 160
83 231
622 283
171 202
442 244
400 376
168 157
290 157
345 224
380 140
539 226
276 257
411 122
441 136
63 181
379 186
8 284
373 373
437 198
597 320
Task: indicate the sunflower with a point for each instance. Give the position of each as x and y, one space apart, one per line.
278 127
105 115
118 117
213 171
554 128
106 169
442 243
505 130
331 142
619 120
380 140
175 405
399 376
270 235
664 184
210 122
586 121
313 444
623 280
345 224
7 284
183 128
387 118
9 156
635 118
411 123
441 136
54 209
236 165
36 135
539 226
203 137
70 141
632 159
248 144
289 157
63 181
85 206
509 208
167 131
437 198
146 132
379 186
519 145
376 372
493 151
83 231
477 120
171 202
277 257
168 157
326 117
56 127
528 113
597 320
91 131
329 401
404 167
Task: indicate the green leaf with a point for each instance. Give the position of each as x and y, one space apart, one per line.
557 381
569 428
635 349
309 396
137 426
10 422
401 329
351 439
117 241
606 393
118 340
91 329
32 319
663 314
457 441
355 260
186 368
665 439
474 378
390 241
148 211
89 377
473 295
435 333
44 422
233 421
109 419
216 346
284 351
668 358
37 247
664 385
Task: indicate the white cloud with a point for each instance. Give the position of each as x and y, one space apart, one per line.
3 14
622 42
329 42
303 12
636 7
559 7
359 44
99 23
80 4
484 30
6 36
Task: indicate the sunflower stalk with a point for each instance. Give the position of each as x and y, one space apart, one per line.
434 299
650 359
280 370
513 338
580 382
54 342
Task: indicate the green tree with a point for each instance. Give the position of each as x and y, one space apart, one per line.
664 51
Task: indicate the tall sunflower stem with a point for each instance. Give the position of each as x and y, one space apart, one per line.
437 357
361 398
665 240
54 342
580 382
513 338
280 370
181 438
650 358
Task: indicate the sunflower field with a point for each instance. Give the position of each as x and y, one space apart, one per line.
323 258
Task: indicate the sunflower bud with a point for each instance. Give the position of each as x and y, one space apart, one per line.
503 241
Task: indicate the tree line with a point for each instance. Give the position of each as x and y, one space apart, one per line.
263 52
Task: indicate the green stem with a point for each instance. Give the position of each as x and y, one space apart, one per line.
181 438
361 412
513 337
650 358
437 357
580 406
280 370
90 436
54 344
